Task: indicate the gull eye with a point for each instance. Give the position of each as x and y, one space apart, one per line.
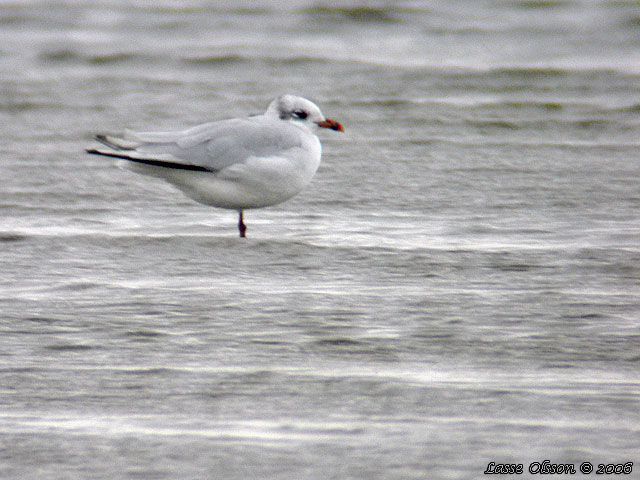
301 114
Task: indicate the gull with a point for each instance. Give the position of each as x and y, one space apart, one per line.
235 164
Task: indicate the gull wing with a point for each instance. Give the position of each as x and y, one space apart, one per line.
156 162
208 147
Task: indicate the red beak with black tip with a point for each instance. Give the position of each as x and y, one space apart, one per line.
331 124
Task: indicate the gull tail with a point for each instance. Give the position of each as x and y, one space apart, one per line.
117 143
126 150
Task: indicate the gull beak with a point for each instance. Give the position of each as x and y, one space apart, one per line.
332 124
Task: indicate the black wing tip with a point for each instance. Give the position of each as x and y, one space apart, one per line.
151 161
104 153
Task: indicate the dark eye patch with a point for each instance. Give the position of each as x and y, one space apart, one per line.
300 114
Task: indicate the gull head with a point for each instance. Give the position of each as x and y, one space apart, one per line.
301 111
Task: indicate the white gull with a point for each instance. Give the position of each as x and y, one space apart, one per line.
237 164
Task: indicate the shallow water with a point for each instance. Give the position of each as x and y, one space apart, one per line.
458 285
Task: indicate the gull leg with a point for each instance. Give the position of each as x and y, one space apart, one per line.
241 226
